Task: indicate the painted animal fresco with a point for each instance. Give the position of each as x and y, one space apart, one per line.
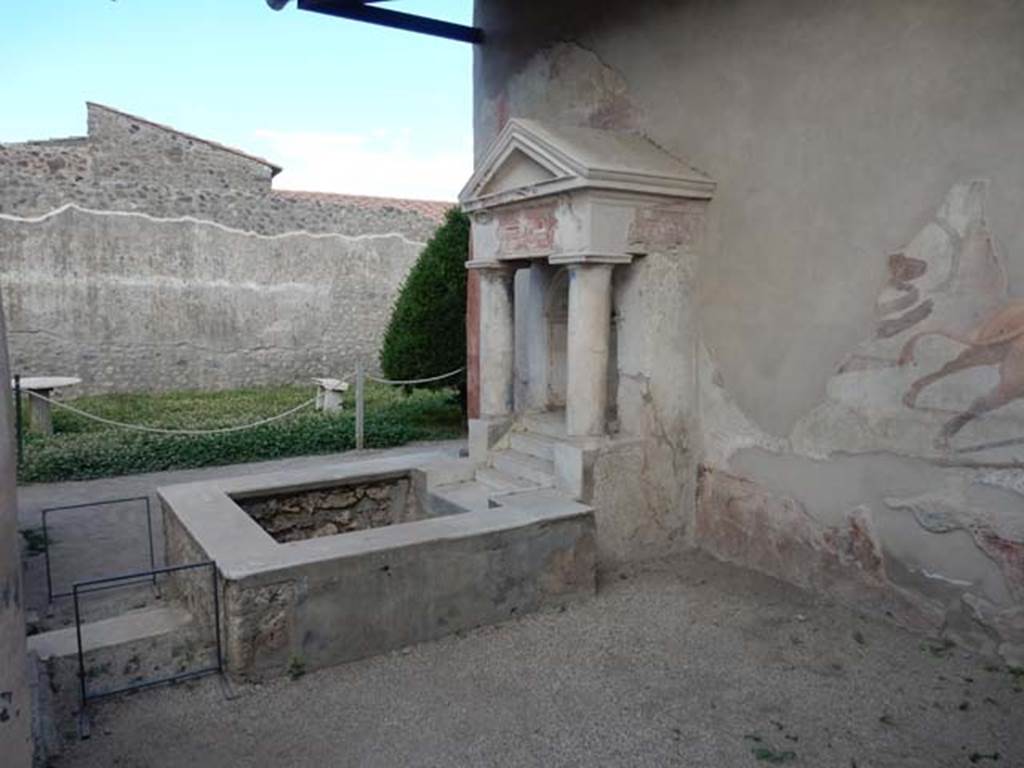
997 341
942 375
951 282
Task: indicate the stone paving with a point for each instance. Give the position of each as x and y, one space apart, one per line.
689 662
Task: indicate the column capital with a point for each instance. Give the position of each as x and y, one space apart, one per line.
492 266
596 259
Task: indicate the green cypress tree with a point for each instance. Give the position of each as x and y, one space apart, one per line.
426 335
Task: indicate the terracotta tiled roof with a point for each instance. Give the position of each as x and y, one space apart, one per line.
430 209
275 168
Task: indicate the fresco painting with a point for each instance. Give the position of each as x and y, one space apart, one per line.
943 375
919 440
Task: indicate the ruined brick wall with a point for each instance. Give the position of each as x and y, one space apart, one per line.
140 257
129 164
124 147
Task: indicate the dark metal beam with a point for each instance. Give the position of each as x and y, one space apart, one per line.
362 11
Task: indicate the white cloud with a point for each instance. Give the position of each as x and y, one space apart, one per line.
383 163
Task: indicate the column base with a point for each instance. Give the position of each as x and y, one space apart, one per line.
484 433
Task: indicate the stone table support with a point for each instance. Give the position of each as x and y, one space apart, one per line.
497 338
40 419
590 310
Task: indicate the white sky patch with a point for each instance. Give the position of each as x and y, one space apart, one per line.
381 163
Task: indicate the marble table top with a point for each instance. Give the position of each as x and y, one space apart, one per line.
44 383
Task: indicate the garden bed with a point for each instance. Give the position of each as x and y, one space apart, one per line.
83 449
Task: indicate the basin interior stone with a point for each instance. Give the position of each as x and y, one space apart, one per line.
309 513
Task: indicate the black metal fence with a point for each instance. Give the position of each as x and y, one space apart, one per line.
50 594
112 582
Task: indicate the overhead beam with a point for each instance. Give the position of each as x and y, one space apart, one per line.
362 11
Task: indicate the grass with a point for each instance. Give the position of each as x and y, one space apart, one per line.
82 449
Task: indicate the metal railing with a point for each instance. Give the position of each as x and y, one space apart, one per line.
50 594
360 416
362 376
110 582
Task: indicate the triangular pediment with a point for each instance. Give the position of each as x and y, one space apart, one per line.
532 159
517 170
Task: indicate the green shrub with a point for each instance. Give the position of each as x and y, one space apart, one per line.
81 449
426 335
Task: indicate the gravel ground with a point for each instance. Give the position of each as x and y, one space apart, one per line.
691 663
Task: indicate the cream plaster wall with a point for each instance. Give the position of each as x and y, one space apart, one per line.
832 130
839 134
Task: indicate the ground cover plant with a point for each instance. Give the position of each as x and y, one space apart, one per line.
82 449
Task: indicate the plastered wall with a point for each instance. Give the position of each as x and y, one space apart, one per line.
15 693
143 258
859 363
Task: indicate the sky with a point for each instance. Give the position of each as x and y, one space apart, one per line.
342 106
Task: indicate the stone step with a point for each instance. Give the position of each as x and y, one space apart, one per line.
469 496
499 482
128 627
518 464
547 423
533 444
134 647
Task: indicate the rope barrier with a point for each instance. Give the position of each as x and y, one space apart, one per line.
226 430
163 431
410 382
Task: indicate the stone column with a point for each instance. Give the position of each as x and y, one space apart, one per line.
590 311
497 339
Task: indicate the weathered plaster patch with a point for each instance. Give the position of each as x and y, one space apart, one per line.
667 226
1009 479
939 577
997 535
933 512
744 522
642 510
526 230
201 222
566 84
944 536
725 429
1008 625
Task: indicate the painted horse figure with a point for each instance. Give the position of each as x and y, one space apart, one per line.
997 341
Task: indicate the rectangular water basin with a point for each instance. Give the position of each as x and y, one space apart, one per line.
323 566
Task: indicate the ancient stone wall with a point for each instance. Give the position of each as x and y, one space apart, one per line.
140 257
126 147
319 512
